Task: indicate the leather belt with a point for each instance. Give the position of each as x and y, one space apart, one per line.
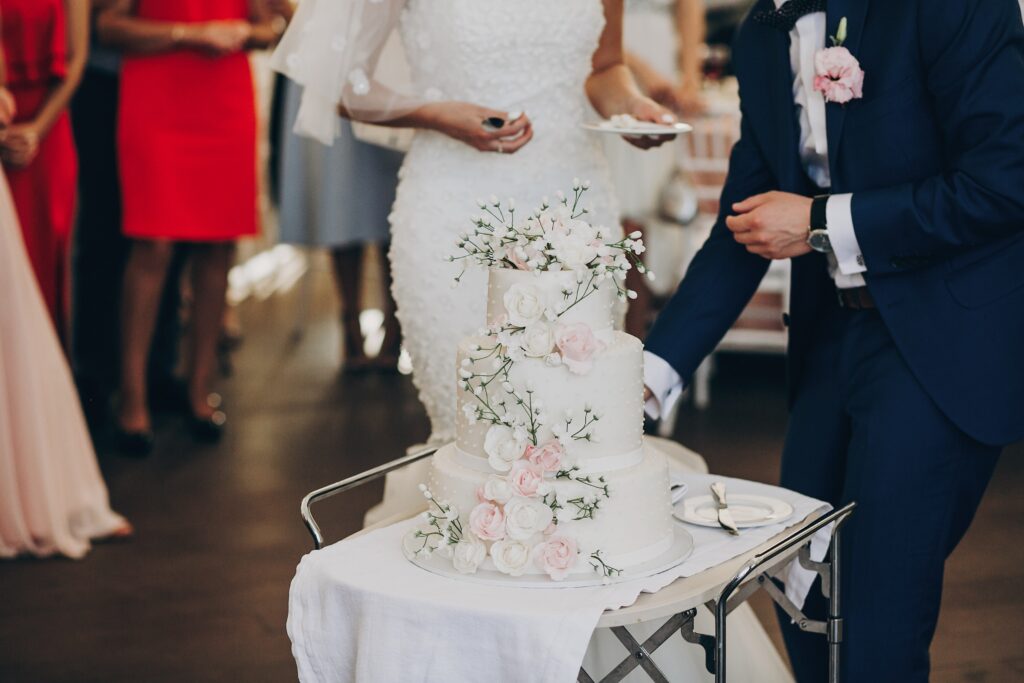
856 299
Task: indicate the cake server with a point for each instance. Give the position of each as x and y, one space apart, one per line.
724 515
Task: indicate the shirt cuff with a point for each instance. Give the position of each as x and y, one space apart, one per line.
839 215
665 384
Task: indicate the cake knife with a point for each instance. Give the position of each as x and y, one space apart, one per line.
724 515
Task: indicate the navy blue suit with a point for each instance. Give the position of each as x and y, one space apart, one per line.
904 408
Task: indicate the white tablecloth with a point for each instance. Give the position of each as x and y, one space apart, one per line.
359 611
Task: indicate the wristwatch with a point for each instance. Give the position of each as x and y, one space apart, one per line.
817 234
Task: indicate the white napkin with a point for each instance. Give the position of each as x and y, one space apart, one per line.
359 611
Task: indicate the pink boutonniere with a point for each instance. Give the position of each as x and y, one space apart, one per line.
838 76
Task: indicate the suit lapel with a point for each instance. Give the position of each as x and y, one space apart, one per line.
776 114
835 114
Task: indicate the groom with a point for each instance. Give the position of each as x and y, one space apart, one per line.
890 169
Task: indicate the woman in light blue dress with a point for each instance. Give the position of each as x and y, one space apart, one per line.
339 198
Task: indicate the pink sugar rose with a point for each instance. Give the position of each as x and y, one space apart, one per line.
487 521
511 255
578 346
547 456
838 75
556 556
526 478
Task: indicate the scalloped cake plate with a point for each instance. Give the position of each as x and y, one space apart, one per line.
677 553
638 128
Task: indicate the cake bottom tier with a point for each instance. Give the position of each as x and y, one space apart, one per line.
633 525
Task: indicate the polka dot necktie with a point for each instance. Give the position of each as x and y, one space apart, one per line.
785 17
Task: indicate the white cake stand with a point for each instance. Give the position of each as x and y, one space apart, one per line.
721 588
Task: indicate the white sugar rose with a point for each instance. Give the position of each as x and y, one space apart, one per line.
503 447
511 557
468 554
556 556
497 489
574 251
525 304
537 340
525 517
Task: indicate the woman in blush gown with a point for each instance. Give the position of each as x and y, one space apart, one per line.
52 496
540 68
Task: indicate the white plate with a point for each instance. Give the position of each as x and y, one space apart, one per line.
677 553
748 510
639 128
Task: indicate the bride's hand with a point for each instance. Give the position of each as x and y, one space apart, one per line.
465 122
646 109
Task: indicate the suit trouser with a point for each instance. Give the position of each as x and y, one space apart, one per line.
863 429
100 253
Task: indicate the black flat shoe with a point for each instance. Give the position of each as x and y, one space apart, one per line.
134 444
208 429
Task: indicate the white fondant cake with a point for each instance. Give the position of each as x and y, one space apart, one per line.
549 473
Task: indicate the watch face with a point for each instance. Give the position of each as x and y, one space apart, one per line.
819 241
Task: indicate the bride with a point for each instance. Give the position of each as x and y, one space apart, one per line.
498 92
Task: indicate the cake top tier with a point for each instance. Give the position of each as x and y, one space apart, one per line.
570 259
522 298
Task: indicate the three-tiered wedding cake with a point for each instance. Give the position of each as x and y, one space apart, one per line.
549 474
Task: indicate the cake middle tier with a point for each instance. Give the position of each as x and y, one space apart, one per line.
598 415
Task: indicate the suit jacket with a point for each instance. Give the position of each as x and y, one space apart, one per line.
934 156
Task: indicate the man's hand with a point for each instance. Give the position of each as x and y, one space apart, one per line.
647 394
773 225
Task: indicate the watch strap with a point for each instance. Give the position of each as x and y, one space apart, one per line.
819 214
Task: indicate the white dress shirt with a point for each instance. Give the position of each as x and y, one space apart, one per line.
806 38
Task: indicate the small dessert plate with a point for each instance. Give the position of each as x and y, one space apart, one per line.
748 510
637 127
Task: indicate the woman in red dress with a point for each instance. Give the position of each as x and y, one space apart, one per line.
187 154
45 44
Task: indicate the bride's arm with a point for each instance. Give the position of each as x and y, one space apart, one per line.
611 86
464 121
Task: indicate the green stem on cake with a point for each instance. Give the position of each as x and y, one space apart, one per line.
602 567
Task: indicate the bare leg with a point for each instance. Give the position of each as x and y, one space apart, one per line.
144 278
392 345
639 313
210 266
348 276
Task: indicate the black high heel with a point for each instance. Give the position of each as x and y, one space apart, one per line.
208 429
134 444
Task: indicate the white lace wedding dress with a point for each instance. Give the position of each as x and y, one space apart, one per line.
532 56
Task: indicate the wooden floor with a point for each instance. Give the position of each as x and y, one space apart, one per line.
201 594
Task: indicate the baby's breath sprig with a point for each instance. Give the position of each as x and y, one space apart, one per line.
599 564
443 526
585 506
573 474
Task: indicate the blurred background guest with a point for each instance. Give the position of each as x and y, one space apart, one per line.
187 154
100 250
52 497
664 43
339 198
45 46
